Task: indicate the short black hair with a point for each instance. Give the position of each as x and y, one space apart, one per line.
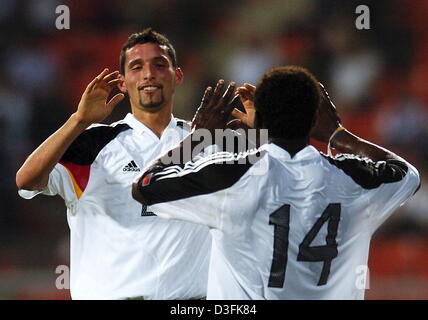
146 36
287 100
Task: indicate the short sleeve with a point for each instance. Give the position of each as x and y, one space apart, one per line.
60 183
384 199
195 191
204 209
70 176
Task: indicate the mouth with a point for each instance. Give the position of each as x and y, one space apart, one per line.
151 88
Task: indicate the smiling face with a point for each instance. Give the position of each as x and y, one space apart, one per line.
150 77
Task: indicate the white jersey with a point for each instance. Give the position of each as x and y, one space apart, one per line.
283 228
119 249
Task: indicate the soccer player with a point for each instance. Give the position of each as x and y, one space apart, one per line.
119 250
296 224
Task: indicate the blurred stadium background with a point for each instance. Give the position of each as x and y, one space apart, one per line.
378 79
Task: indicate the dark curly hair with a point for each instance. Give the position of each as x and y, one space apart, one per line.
146 36
287 100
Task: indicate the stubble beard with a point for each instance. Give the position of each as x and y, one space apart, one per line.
150 104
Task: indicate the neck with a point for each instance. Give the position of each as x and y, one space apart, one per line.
156 121
292 146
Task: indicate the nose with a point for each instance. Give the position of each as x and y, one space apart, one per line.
148 72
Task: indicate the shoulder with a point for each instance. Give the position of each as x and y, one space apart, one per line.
101 134
88 144
219 170
202 175
367 173
104 131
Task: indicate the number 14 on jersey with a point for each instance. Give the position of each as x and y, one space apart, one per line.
280 219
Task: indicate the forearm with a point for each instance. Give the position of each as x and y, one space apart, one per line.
174 156
34 173
346 142
188 148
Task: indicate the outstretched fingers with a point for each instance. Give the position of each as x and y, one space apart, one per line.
229 93
228 97
104 79
250 87
102 74
218 91
115 100
329 107
238 114
113 83
206 97
110 80
97 79
326 96
111 76
245 94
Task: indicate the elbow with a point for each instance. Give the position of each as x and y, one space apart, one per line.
20 180
137 194
24 182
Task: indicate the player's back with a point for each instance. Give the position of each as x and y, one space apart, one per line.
303 225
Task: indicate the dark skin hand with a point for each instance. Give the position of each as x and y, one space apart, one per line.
344 141
327 120
215 108
213 113
246 96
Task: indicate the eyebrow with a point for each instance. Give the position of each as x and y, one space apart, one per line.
139 60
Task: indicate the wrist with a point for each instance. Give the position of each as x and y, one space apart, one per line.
332 141
343 140
334 133
79 122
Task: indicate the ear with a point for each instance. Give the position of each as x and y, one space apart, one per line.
121 84
178 76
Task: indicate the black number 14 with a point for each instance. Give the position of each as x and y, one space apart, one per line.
280 219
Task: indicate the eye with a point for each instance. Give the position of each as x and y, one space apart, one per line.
160 65
136 68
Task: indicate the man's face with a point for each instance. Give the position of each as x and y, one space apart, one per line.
150 78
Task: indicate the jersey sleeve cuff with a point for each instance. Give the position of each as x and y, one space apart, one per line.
27 194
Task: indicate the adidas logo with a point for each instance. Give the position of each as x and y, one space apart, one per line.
132 166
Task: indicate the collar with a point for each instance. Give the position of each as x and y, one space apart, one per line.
141 128
308 152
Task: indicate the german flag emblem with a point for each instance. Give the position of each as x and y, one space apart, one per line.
146 179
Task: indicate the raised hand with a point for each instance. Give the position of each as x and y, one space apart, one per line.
246 94
215 108
327 119
93 106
